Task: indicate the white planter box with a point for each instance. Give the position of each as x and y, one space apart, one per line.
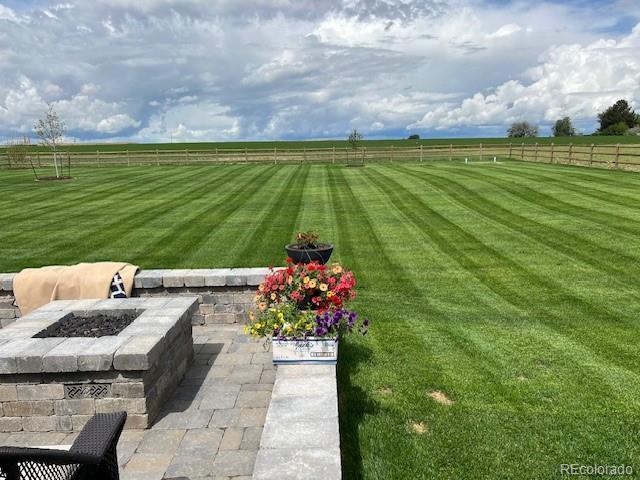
303 352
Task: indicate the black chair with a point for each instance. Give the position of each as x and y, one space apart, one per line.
92 456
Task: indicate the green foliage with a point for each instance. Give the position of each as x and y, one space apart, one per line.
563 128
308 239
415 136
619 128
522 129
618 113
282 319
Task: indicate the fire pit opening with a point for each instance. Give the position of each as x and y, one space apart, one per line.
93 324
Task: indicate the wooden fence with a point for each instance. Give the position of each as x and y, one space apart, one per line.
606 156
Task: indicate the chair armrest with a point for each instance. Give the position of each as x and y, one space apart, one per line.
99 435
12 455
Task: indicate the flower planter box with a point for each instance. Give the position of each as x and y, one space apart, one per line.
304 352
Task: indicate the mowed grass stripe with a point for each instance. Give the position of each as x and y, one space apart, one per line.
317 213
46 200
518 284
511 280
117 228
582 190
618 186
553 203
198 224
619 267
186 210
276 226
124 199
240 224
363 250
617 179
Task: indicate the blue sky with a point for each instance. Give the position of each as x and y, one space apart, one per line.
199 70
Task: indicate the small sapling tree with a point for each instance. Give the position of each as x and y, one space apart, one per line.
354 139
50 130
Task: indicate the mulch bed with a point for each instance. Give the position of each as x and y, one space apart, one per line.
53 178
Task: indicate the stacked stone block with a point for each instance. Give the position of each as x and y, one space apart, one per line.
57 384
225 295
8 311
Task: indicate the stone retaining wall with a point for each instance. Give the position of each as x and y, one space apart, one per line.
301 436
225 295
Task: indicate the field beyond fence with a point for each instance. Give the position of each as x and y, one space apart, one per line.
620 156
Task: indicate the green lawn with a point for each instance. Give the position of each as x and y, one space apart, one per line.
509 287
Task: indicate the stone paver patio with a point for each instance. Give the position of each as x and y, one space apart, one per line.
212 426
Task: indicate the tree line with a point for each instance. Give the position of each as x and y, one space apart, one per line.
618 119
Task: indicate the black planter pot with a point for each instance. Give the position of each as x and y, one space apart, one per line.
301 254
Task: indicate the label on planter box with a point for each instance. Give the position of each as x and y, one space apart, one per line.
310 350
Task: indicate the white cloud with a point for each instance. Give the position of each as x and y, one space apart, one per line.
116 123
263 69
23 104
573 80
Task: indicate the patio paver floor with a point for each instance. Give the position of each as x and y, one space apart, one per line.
211 427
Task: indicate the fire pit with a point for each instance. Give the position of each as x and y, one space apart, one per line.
70 359
93 324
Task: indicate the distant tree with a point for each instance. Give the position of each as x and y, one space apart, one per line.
522 129
563 128
355 138
415 136
50 130
619 112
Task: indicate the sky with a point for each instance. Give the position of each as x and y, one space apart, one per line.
225 70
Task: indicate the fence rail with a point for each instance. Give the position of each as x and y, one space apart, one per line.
605 156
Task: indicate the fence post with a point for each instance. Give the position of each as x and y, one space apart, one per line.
304 154
480 152
450 151
510 150
217 159
617 154
186 155
364 151
522 152
333 158
536 154
275 155
421 153
551 158
570 151
98 157
38 157
157 157
128 159
591 154
246 155
391 154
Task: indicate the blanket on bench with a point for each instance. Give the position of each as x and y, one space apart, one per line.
34 287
